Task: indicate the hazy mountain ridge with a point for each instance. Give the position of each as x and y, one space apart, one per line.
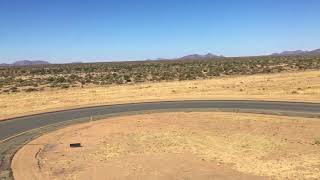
198 56
26 63
297 52
315 52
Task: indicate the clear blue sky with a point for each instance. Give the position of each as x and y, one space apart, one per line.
93 30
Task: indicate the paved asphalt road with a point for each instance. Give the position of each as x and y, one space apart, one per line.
18 125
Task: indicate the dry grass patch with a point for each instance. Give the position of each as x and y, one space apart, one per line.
295 86
155 145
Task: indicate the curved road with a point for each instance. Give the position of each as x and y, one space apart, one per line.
19 125
13 128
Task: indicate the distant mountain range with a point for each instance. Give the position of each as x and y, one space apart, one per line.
26 63
199 57
298 52
315 52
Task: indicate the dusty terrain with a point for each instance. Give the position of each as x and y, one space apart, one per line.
286 86
181 145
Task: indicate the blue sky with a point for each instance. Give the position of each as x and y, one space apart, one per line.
93 30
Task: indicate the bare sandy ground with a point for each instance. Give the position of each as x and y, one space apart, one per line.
181 145
287 86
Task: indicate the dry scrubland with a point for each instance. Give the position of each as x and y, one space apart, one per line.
287 86
42 77
184 145
32 89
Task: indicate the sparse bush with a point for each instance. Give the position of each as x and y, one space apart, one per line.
14 89
65 86
50 79
31 90
60 79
